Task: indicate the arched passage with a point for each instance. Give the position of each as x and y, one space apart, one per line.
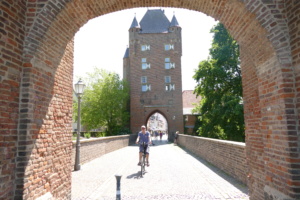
36 80
157 122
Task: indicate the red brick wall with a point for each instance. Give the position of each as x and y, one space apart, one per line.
45 133
252 116
12 33
190 122
226 155
295 48
35 88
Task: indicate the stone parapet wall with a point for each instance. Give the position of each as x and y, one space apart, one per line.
96 147
226 155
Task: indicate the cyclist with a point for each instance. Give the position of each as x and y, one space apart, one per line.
144 136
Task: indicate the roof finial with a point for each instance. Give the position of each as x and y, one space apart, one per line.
134 14
174 12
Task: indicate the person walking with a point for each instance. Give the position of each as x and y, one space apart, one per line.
160 135
176 137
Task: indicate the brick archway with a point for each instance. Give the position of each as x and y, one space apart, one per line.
159 112
36 87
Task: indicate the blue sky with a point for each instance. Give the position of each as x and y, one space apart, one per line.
102 41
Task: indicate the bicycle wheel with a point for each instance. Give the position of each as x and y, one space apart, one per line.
142 169
143 164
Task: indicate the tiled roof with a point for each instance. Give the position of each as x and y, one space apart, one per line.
189 98
154 21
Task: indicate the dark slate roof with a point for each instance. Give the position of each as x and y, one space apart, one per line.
174 22
134 23
126 53
154 21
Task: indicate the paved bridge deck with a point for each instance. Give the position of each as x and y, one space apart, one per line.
173 174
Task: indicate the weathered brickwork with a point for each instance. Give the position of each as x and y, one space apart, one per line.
94 148
36 56
226 155
44 161
12 15
252 116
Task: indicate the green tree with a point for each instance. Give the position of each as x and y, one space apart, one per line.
104 102
219 83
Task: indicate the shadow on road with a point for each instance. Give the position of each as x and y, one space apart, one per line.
135 175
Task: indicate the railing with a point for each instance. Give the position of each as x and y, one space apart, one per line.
226 155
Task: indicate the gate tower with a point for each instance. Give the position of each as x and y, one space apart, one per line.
152 66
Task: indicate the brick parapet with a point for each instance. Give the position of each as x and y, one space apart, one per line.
228 156
96 147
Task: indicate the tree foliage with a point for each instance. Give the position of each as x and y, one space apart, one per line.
104 102
219 83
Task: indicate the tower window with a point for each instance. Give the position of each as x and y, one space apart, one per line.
146 87
145 65
169 47
170 87
144 79
167 79
145 47
168 64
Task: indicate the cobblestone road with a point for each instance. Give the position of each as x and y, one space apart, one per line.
173 174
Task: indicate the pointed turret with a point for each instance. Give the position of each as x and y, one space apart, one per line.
126 55
174 22
134 24
126 65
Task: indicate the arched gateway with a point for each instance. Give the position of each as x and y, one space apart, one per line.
36 64
157 121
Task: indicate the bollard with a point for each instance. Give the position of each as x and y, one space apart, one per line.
118 177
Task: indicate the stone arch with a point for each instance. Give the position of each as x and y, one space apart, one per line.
267 32
243 20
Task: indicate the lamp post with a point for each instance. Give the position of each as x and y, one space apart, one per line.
79 88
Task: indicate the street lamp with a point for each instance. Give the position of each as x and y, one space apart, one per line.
79 88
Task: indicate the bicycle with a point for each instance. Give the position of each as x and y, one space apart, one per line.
143 163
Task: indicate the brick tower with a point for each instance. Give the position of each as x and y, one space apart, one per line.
152 66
